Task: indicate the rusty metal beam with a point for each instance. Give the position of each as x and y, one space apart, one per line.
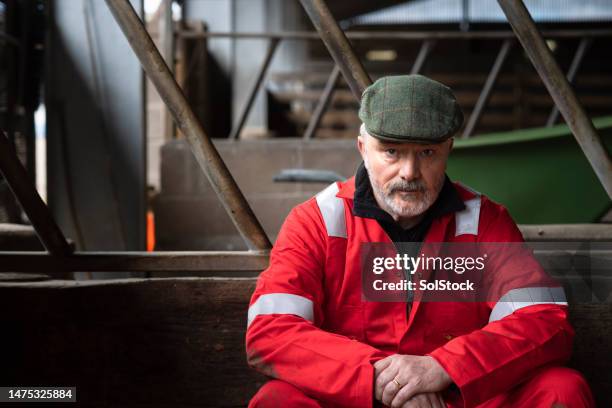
338 45
202 147
261 74
166 39
233 261
17 178
424 51
323 103
583 46
483 98
226 261
397 35
560 90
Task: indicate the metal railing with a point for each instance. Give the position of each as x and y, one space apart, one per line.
201 145
428 40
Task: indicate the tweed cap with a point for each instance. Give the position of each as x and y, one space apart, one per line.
410 108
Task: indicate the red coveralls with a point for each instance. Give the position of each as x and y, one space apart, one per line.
310 330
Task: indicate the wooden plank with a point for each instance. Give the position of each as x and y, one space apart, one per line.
567 232
176 342
167 261
133 342
17 237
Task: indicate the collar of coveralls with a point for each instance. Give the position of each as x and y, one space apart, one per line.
365 205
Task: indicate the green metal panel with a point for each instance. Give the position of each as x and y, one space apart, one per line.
540 175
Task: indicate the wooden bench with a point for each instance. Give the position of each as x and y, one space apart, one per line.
176 342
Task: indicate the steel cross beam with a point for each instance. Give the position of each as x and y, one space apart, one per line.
338 45
396 35
37 211
244 114
483 98
424 52
560 90
201 145
584 45
323 103
166 30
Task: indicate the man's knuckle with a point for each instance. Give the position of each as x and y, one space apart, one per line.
409 403
397 402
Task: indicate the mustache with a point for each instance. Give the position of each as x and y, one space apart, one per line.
402 185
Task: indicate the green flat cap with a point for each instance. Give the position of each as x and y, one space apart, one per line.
410 108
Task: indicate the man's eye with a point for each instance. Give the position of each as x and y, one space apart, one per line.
427 152
391 152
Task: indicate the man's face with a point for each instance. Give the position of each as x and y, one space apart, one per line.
406 177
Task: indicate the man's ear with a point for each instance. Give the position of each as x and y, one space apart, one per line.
361 145
450 145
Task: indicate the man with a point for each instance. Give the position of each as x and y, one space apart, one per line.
310 329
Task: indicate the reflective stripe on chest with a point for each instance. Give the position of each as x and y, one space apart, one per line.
332 211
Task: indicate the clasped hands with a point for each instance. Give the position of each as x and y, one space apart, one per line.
405 381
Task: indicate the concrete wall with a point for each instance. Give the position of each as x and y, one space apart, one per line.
188 213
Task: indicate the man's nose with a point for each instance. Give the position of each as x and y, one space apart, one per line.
410 169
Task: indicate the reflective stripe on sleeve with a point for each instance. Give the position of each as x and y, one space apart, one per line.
523 297
466 221
281 303
332 210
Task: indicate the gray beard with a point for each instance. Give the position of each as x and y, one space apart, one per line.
395 209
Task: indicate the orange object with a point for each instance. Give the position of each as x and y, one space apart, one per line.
150 231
